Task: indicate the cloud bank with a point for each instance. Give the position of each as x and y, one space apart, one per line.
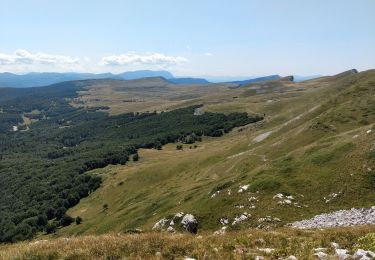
24 57
131 58
26 61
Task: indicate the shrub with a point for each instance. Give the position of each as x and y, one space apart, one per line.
51 228
66 220
78 220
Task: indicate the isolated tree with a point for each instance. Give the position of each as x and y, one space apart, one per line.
66 220
51 228
78 220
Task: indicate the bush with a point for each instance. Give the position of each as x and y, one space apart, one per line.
51 228
135 157
78 220
66 220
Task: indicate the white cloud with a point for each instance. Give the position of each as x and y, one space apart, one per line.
208 54
24 57
149 59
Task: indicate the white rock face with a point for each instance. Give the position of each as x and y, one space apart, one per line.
224 221
278 196
266 250
179 215
321 255
243 188
221 231
292 257
341 218
342 254
190 223
160 224
170 229
244 216
363 255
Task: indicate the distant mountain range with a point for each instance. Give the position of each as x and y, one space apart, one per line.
188 81
36 79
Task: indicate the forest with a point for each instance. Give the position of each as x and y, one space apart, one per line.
44 168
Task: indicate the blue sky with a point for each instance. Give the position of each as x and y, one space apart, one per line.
206 37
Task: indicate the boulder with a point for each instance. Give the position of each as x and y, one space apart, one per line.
190 223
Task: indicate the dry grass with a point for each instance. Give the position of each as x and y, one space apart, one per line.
233 245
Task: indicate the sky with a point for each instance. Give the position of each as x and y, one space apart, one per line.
188 37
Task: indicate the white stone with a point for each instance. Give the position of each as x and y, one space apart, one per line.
342 253
266 250
215 194
179 215
221 231
160 224
363 254
320 249
171 229
278 196
224 221
243 188
241 218
321 255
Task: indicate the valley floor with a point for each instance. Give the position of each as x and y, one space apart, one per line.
282 243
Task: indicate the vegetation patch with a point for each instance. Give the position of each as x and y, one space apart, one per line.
264 184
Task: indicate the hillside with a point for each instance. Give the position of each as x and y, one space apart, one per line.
312 153
314 145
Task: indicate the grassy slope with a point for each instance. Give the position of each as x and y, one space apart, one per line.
310 154
234 245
